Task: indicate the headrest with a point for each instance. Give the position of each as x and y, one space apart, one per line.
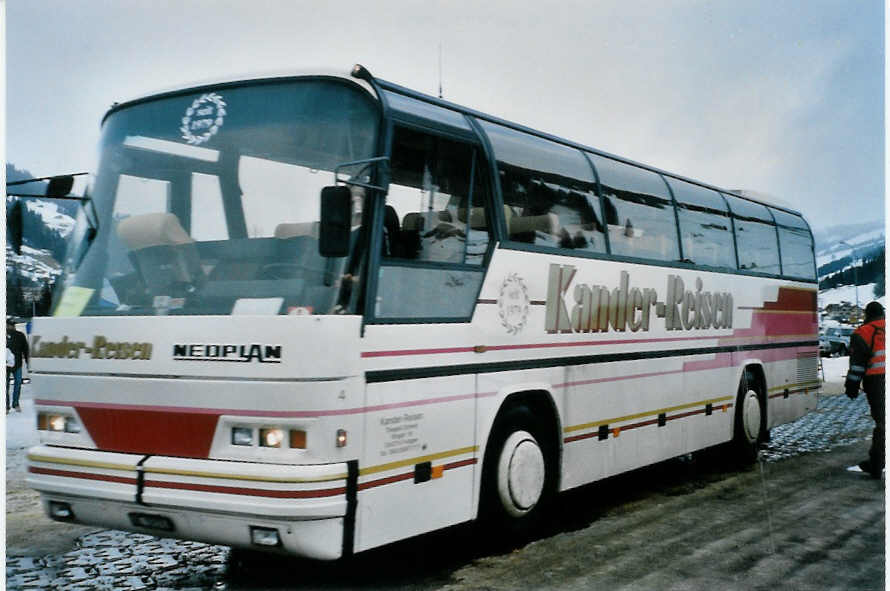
292 230
547 223
477 216
412 221
152 229
416 221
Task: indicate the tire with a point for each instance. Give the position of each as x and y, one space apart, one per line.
518 476
750 420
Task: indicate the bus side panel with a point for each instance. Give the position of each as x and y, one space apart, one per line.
621 416
792 384
419 459
784 313
711 380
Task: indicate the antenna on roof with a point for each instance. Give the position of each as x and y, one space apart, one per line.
440 69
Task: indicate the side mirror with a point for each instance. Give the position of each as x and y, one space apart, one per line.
336 221
15 222
59 186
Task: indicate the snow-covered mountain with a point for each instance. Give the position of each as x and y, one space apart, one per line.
840 247
848 240
53 218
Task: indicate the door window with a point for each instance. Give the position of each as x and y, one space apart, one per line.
436 228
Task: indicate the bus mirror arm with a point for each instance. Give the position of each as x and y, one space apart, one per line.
364 172
89 236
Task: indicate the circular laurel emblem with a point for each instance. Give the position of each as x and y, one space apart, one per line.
203 119
513 303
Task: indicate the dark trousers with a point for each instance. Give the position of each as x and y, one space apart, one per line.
14 374
875 395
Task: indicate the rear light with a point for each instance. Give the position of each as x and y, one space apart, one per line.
341 437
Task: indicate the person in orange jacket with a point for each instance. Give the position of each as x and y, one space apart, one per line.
867 371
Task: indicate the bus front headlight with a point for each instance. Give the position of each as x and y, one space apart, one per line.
57 423
271 437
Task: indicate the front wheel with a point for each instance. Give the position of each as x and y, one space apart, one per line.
518 478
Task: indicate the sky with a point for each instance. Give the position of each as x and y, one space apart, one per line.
785 98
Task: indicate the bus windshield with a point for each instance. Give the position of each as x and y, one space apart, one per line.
208 202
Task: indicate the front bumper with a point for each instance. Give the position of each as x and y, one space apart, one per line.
207 500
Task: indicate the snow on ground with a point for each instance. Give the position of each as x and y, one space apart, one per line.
835 368
21 429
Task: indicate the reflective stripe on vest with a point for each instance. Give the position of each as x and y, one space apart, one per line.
876 363
873 334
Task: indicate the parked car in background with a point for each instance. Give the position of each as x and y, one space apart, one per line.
835 341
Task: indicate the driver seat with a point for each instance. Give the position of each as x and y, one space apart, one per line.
161 251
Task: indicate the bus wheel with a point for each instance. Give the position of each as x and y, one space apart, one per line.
750 420
518 475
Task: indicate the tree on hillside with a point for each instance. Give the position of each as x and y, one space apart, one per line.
867 272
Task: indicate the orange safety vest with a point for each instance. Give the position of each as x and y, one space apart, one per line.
873 334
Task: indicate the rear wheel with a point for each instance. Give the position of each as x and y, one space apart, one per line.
750 419
518 478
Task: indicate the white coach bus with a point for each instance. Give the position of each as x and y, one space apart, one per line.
318 314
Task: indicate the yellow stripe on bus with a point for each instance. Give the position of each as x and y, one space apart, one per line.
789 386
647 413
83 463
417 460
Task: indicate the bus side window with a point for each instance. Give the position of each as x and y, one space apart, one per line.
795 245
755 235
705 227
552 189
429 193
640 218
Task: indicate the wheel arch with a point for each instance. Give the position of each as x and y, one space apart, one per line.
539 399
754 367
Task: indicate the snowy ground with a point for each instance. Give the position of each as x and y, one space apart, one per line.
20 426
834 370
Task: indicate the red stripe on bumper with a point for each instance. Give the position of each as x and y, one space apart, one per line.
252 492
83 475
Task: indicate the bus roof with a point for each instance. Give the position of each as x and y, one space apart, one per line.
363 78
747 195
243 79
